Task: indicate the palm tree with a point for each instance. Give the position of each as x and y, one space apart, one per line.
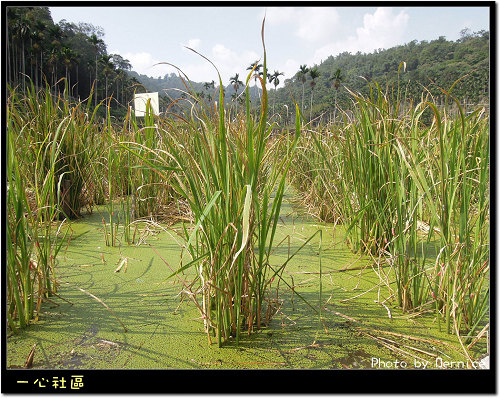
76 61
108 68
120 77
302 76
68 57
257 67
12 17
55 33
121 65
314 73
200 94
337 79
95 41
23 32
37 38
274 78
53 58
207 86
90 68
236 82
132 85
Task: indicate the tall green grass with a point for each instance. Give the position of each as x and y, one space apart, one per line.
457 200
20 278
40 115
223 166
402 186
399 184
34 200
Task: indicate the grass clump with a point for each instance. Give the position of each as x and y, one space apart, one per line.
402 186
43 183
223 166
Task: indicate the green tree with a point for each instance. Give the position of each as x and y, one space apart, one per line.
337 78
95 41
55 36
314 73
23 32
274 78
122 65
236 82
302 76
68 57
256 67
54 56
107 69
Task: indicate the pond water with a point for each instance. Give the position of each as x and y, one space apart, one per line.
84 326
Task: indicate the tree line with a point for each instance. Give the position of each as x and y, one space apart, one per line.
459 67
71 58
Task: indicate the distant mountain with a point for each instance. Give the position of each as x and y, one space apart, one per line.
173 87
431 66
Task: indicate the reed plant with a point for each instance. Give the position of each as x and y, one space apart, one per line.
317 175
129 188
386 211
456 193
150 192
146 185
40 114
406 186
20 276
223 166
34 202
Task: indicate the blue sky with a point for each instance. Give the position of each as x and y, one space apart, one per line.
230 36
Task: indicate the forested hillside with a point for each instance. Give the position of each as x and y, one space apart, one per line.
71 58
429 66
75 54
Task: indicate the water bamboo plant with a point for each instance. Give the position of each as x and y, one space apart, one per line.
405 187
226 173
33 205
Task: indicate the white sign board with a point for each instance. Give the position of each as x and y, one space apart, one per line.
140 101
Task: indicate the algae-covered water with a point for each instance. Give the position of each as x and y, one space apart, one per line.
137 319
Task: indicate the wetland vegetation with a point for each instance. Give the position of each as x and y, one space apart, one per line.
216 237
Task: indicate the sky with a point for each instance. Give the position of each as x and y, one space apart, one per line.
231 36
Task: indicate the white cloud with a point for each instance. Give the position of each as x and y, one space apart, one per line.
193 43
311 23
317 23
290 68
145 64
382 29
279 15
227 61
